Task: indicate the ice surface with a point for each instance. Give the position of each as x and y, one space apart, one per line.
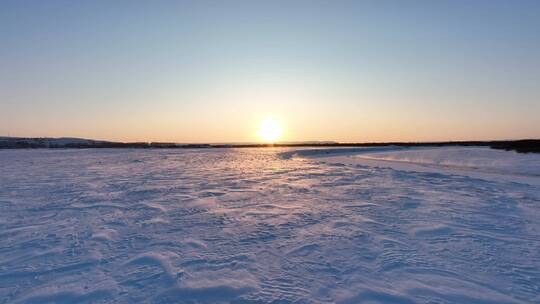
252 226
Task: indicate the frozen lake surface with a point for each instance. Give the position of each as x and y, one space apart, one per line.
259 226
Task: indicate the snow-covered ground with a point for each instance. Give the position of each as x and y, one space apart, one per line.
260 226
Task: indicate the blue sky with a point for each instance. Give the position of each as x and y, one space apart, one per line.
210 71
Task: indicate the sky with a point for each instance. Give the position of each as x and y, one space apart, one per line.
211 71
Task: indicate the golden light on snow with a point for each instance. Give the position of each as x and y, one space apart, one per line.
269 130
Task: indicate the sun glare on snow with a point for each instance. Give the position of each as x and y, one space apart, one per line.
269 130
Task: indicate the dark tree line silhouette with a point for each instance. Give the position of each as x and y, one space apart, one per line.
521 146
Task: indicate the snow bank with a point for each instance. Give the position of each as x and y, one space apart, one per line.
476 162
481 158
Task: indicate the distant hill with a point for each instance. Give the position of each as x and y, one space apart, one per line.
81 143
522 146
44 142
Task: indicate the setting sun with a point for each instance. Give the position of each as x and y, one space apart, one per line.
269 130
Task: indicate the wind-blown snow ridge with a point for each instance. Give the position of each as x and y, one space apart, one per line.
248 226
472 161
466 158
318 152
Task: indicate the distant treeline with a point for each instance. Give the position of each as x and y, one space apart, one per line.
522 146
93 145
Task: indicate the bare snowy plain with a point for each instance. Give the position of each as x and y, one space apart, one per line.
446 225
